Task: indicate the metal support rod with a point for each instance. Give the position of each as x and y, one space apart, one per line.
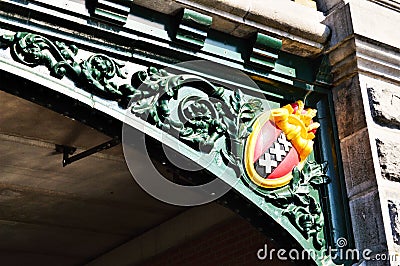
67 151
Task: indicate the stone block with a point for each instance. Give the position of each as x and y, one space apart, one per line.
390 193
326 5
344 50
166 7
372 263
394 210
380 24
243 31
385 105
284 15
368 224
339 21
358 163
389 158
234 7
349 108
307 3
225 25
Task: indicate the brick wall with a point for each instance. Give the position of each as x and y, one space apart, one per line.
233 243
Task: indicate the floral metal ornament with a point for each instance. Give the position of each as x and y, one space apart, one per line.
299 201
94 74
207 114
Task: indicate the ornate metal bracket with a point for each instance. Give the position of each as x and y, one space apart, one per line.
193 27
265 50
115 11
206 117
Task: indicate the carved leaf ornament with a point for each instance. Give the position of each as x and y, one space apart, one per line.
275 160
269 149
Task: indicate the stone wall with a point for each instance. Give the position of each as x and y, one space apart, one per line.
364 54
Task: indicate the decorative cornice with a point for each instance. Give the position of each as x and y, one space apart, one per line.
193 27
155 41
303 35
362 55
392 4
115 11
378 60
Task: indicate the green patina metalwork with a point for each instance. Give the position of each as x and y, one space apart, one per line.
201 120
299 201
94 74
265 50
115 11
193 27
204 116
218 113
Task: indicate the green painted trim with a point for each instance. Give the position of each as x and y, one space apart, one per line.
115 11
198 20
193 27
264 41
108 15
338 212
152 45
265 51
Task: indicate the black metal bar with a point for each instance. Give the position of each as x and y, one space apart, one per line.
104 146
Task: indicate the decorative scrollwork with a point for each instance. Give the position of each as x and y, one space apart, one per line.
99 69
94 74
200 122
201 119
239 118
298 202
